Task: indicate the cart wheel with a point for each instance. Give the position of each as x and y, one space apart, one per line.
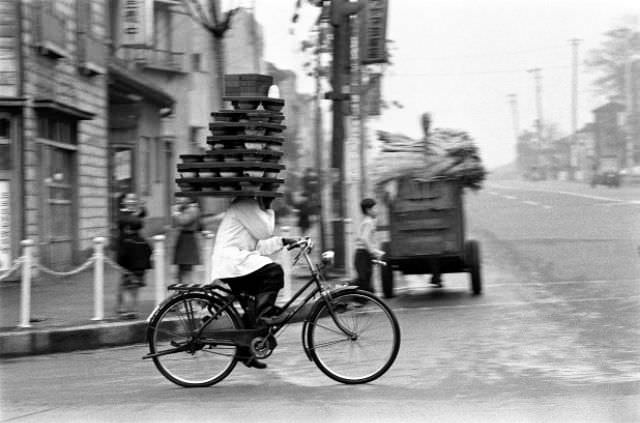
386 275
472 261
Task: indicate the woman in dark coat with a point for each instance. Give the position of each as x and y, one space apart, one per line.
134 255
186 253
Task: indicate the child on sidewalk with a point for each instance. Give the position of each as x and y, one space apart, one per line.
366 245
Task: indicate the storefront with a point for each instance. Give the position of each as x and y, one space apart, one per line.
10 186
140 158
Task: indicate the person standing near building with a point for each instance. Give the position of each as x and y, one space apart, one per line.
304 215
366 245
186 253
133 254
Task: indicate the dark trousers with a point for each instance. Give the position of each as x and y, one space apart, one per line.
364 269
263 284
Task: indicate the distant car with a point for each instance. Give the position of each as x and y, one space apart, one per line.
609 178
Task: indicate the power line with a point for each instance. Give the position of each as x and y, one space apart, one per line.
493 72
428 59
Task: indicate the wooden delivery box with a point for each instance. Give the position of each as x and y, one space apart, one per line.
426 231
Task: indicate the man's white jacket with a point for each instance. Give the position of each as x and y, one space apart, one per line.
244 240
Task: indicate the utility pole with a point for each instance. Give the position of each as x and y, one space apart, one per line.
574 89
575 42
628 97
318 138
538 87
515 119
341 10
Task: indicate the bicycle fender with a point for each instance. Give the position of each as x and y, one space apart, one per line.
316 308
178 294
157 308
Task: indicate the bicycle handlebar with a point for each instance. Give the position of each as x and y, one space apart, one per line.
301 242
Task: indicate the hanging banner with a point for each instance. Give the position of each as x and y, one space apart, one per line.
373 32
137 22
373 95
5 226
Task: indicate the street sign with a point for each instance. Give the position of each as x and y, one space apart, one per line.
373 32
137 22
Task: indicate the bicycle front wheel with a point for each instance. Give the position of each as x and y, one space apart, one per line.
183 356
357 342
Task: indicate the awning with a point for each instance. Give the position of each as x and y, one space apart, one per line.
124 80
62 108
13 102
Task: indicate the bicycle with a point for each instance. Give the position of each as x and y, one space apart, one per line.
351 335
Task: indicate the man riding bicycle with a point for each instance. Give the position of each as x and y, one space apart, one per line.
243 243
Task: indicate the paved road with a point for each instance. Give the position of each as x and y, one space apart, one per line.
556 337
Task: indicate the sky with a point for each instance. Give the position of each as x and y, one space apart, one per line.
460 59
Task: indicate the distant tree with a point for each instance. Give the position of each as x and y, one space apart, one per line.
609 60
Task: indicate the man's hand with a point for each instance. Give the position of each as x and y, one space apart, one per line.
289 241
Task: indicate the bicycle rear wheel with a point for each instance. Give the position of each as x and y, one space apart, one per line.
197 361
362 345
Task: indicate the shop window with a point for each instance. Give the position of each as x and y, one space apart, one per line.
57 129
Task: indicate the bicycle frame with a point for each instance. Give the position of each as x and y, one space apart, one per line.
316 278
242 337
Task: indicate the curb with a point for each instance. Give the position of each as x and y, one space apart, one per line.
27 342
54 340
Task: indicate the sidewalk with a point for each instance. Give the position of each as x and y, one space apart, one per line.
62 309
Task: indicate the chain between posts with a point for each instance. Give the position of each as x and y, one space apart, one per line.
76 271
115 265
16 265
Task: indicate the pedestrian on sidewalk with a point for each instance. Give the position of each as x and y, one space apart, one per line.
186 252
133 254
304 214
366 245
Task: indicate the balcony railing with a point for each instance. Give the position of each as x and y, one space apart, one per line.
52 32
156 59
91 55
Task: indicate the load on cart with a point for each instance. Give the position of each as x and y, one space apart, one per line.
420 184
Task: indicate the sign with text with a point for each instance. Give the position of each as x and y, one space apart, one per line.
373 32
136 18
5 226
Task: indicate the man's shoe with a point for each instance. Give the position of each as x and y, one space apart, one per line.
253 362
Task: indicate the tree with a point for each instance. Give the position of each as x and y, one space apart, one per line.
610 59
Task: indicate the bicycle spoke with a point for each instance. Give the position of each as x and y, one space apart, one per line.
338 332
186 358
329 343
370 347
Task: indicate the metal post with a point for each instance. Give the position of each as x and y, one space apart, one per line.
286 266
208 251
159 267
98 278
348 229
25 292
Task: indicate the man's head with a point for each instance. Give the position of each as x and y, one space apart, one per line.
368 207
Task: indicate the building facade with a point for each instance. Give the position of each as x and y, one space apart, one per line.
98 98
53 106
